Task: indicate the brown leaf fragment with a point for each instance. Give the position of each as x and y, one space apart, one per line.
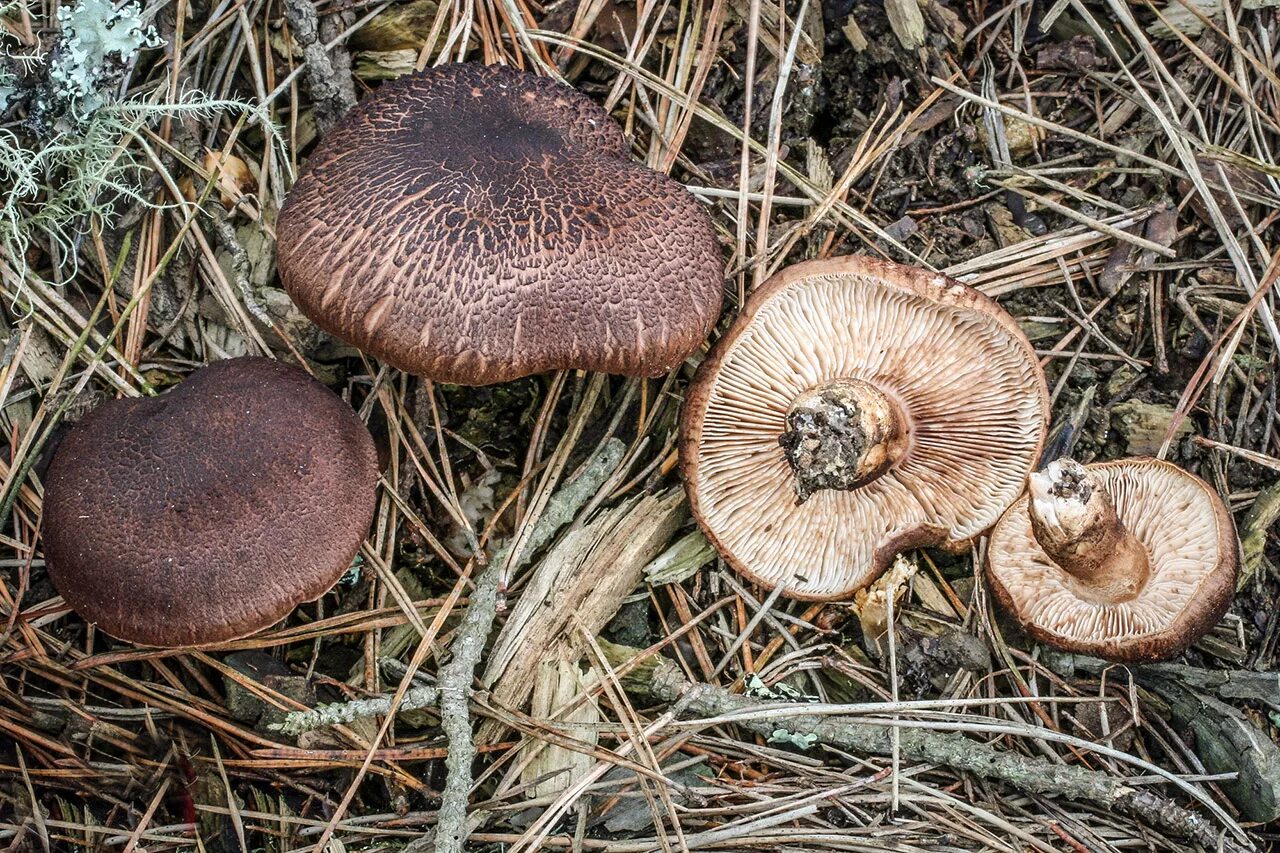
1079 53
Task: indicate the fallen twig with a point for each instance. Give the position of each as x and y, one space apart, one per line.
456 676
560 511
332 93
455 714
297 722
660 680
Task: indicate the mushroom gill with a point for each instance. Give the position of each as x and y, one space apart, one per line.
857 408
1062 570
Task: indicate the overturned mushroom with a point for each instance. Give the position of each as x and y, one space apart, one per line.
476 224
855 409
211 511
1131 560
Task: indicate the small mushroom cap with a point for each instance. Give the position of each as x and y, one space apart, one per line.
965 377
1190 540
474 224
211 511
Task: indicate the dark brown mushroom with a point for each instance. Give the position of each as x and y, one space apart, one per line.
1131 560
476 224
211 511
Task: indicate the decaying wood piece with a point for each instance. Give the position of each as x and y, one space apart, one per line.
561 683
1225 738
1253 533
1227 742
328 72
906 21
577 587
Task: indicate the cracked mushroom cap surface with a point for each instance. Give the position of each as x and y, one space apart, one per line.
211 511
475 224
1189 539
857 408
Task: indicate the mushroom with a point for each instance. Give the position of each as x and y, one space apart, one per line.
211 511
1132 560
476 224
855 409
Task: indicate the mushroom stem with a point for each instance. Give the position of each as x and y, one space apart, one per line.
842 435
1075 521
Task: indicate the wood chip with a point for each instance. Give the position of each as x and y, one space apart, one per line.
581 582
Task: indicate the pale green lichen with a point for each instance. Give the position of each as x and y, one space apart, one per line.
800 741
782 692
7 90
95 43
78 153
56 186
8 66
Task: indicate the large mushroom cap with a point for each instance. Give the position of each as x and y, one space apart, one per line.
209 512
476 224
1183 531
857 408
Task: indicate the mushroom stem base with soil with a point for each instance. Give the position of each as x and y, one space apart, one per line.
1074 520
842 435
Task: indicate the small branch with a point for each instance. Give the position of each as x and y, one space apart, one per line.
455 712
297 722
657 679
240 266
331 92
560 510
564 504
454 691
457 675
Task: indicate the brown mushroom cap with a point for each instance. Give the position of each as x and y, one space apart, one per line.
1190 543
968 408
211 511
475 224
